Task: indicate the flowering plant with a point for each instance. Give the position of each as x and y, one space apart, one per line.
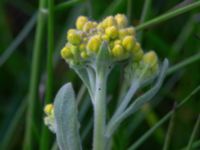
92 50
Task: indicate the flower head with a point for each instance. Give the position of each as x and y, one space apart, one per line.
84 42
49 119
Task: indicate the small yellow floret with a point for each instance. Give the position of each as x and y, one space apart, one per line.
121 20
117 50
136 48
150 58
138 55
123 33
74 49
66 52
71 31
48 109
117 42
89 25
105 37
82 47
80 22
84 55
128 42
94 43
73 37
112 32
131 30
108 22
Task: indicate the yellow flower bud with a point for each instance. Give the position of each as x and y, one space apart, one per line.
80 22
105 37
94 24
138 55
108 22
71 31
48 109
121 20
117 50
82 47
66 52
112 32
100 27
84 55
73 37
131 30
117 42
136 48
74 49
123 33
89 25
150 58
128 42
126 31
94 43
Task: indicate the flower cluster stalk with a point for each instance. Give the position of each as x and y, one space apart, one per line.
99 112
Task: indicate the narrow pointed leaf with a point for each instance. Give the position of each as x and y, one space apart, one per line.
112 126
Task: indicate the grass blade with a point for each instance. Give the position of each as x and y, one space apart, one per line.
163 120
13 126
144 16
65 5
168 16
18 40
169 130
34 79
194 132
46 135
184 63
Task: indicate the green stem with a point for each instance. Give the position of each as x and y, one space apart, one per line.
168 16
161 121
129 9
14 123
169 130
18 40
194 132
46 136
66 4
144 16
99 112
34 79
184 63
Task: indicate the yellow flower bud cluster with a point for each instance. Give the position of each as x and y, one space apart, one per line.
85 40
150 58
49 119
49 109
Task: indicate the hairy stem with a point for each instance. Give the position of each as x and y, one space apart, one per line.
99 112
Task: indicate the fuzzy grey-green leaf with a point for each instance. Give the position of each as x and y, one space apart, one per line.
67 124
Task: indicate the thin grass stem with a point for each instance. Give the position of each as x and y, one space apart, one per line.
34 79
65 5
184 63
194 132
169 130
46 135
168 16
18 40
163 120
144 16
